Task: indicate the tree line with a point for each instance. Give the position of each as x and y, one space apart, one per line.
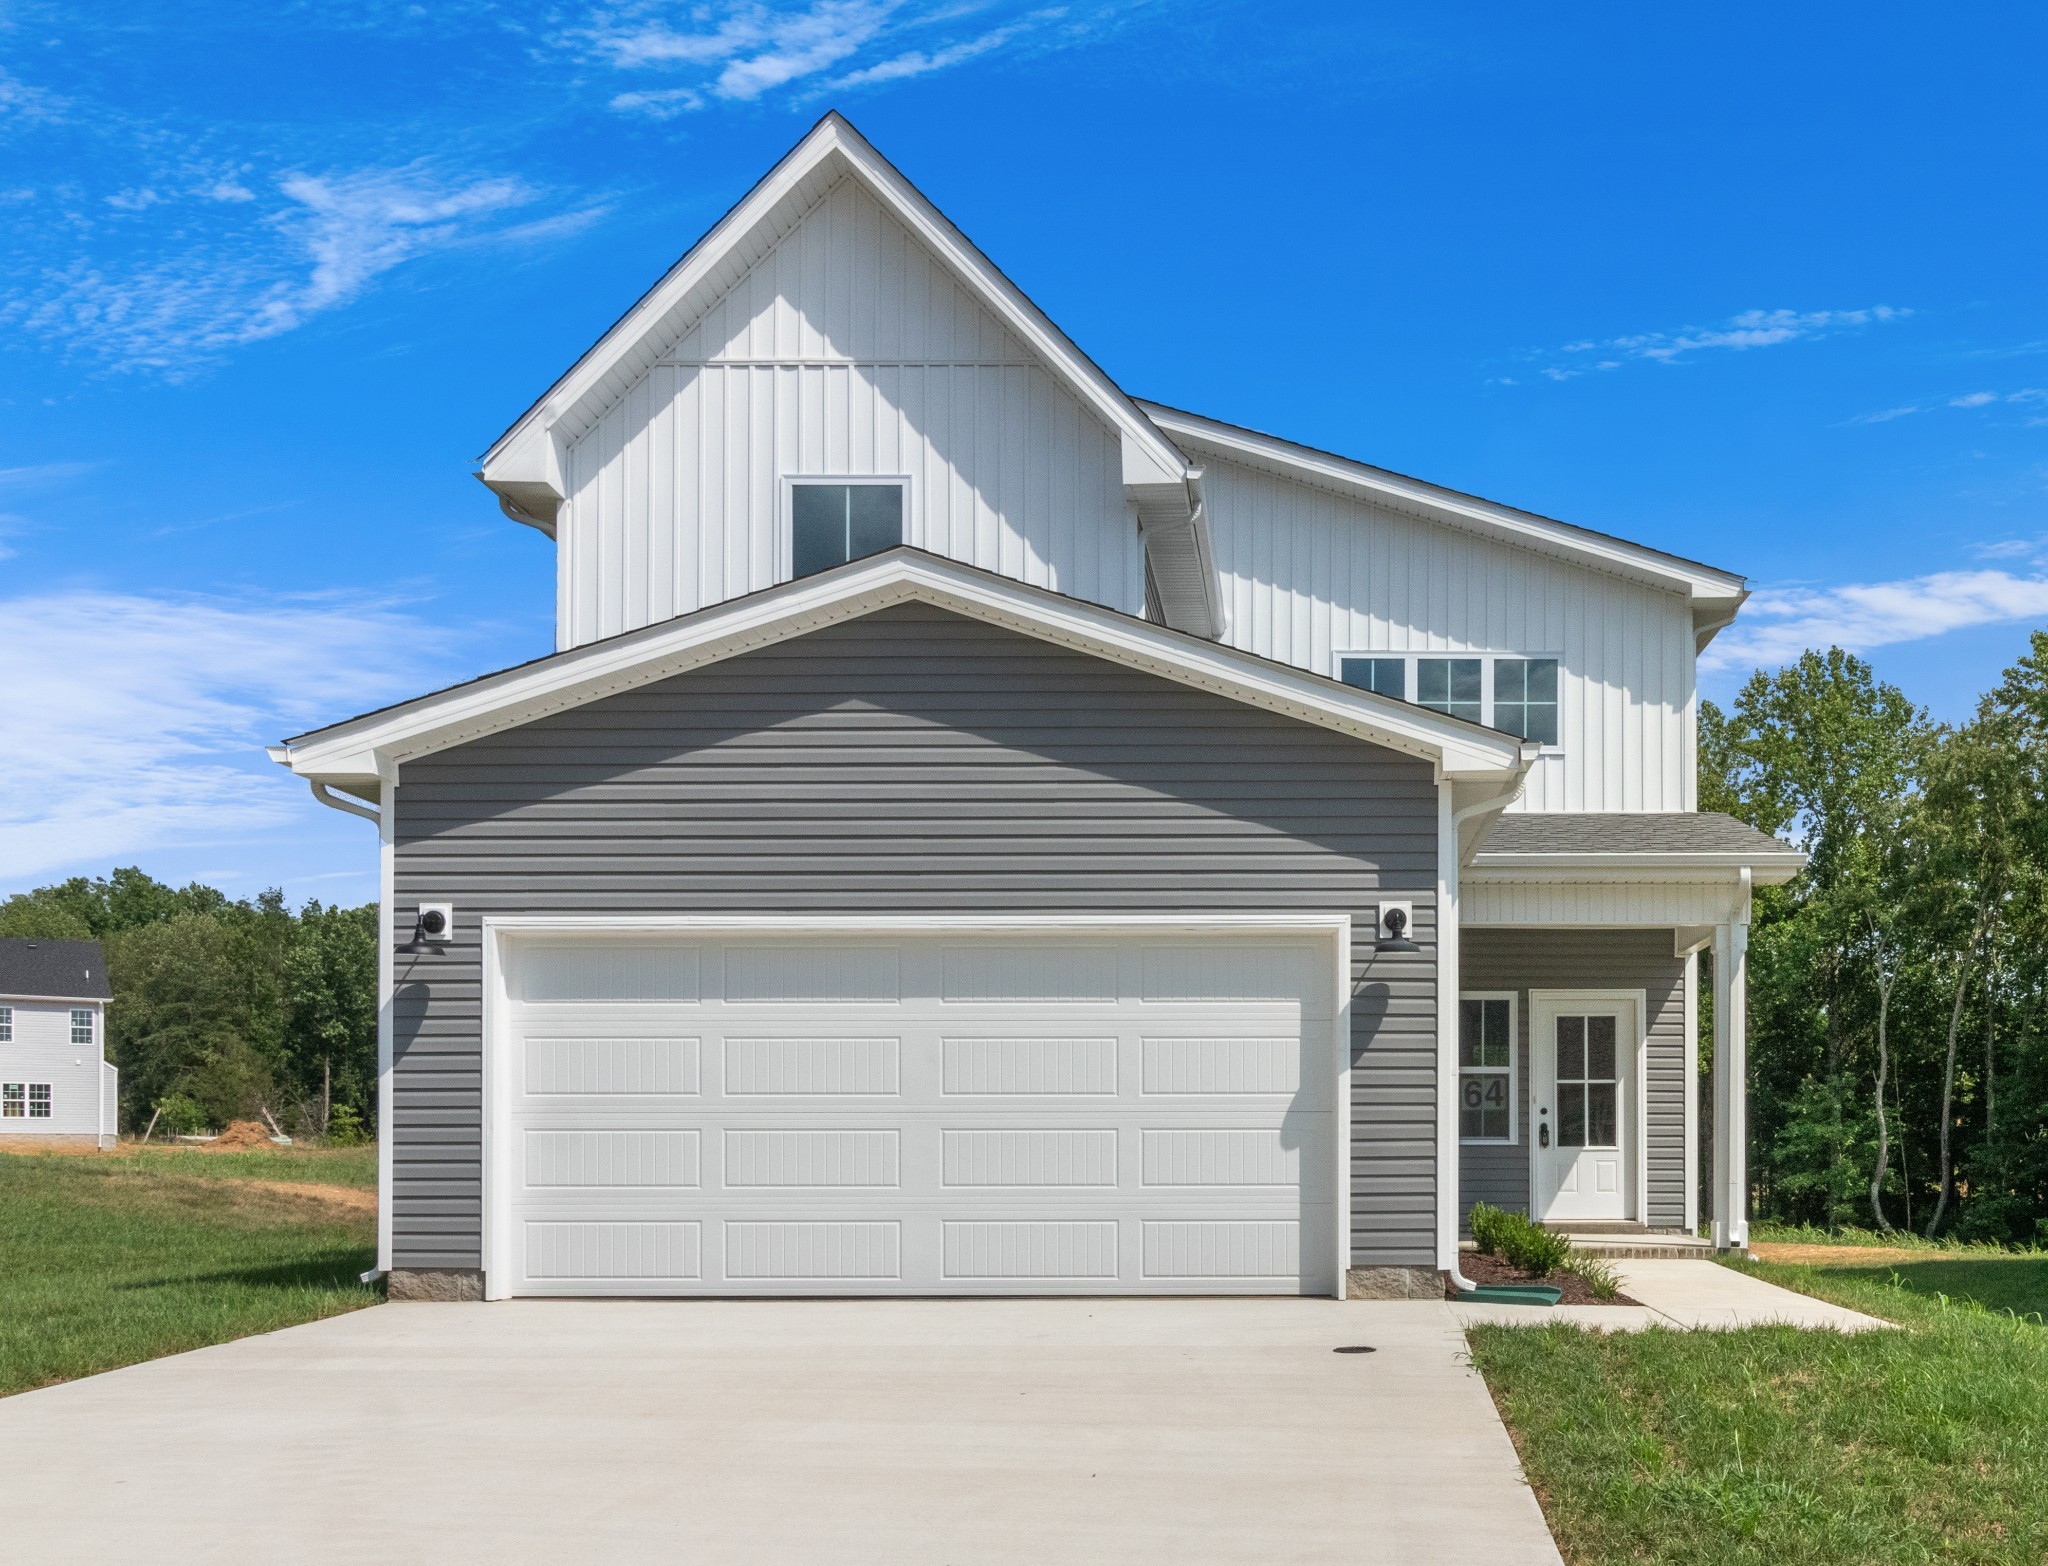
225 1009
1899 1046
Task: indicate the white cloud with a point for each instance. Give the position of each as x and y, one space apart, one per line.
319 242
1973 400
740 52
2025 396
146 716
1778 624
1750 329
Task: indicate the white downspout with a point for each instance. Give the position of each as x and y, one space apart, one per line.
1450 822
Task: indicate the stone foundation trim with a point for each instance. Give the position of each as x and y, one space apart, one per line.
1393 1283
440 1285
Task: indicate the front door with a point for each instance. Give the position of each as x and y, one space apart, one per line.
1583 1072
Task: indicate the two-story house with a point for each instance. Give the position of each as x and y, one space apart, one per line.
56 1084
982 833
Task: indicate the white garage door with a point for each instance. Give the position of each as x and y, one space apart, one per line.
927 1115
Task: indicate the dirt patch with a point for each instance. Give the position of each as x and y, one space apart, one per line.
1481 1268
356 1198
1838 1255
240 1134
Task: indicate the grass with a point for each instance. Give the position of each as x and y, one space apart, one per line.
107 1259
1774 1444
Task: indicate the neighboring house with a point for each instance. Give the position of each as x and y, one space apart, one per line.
55 1080
981 833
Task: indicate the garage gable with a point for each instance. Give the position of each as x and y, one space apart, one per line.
910 763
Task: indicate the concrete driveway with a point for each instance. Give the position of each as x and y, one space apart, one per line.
900 1431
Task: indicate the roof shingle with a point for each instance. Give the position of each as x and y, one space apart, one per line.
62 970
1664 832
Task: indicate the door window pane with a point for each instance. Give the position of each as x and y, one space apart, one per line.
1383 676
1571 1049
1571 1114
1525 698
830 524
1600 1048
1600 1125
1449 685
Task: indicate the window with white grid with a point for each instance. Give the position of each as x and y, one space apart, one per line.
39 1101
81 1024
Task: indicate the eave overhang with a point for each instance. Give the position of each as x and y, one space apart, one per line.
358 754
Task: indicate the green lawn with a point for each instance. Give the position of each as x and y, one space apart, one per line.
108 1259
1776 1445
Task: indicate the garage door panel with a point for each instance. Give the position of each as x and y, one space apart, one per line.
814 1066
925 1116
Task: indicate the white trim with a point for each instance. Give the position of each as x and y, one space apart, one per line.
495 1089
1692 1092
362 748
1636 562
1449 1157
1514 1072
55 1000
387 969
1636 1207
785 538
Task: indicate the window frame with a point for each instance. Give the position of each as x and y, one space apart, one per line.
6 1024
49 1101
1512 1070
91 1031
1411 679
13 1101
785 537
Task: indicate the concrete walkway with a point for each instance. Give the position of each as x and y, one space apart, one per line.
852 1431
1686 1294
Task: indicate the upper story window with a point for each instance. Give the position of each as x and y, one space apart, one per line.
832 521
1518 695
81 1024
6 1024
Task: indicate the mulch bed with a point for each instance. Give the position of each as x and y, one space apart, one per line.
1481 1268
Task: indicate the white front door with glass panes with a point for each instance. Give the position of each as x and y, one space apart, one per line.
1582 1072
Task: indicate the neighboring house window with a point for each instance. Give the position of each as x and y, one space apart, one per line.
39 1101
1383 676
1486 1068
831 523
13 1101
1452 685
1514 694
81 1024
1525 697
6 1024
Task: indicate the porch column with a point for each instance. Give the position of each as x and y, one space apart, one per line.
1731 1077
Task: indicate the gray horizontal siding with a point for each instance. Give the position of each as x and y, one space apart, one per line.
909 762
1522 960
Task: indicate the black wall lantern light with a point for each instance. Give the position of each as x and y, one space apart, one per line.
1394 920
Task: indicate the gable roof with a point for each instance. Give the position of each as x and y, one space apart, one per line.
54 970
358 753
1715 594
831 150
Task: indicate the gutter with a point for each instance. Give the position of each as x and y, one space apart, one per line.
336 802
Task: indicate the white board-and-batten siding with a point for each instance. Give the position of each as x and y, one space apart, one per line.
1310 574
845 350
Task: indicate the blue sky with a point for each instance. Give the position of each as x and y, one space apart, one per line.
1761 285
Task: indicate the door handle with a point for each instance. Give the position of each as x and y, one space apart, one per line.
1543 1133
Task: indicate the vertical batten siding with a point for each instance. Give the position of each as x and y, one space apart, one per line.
914 762
1308 573
846 348
1522 960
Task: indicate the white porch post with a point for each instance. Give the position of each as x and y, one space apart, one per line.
1447 984
1731 1076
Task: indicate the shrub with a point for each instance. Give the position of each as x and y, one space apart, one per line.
178 1115
1596 1274
345 1127
1516 1240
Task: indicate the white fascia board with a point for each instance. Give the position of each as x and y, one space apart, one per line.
56 1000
1147 452
376 744
1767 869
1636 562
